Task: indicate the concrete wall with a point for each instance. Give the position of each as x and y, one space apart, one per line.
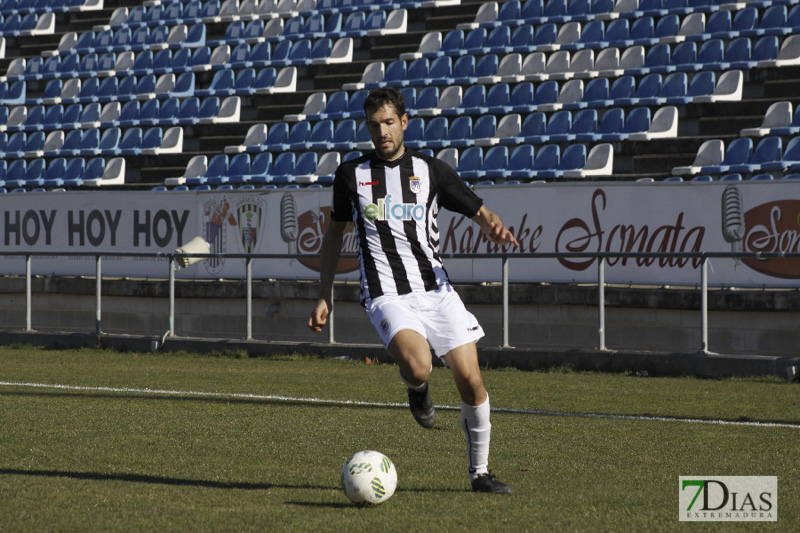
542 316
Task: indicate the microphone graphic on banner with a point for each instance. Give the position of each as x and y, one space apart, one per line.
733 219
289 222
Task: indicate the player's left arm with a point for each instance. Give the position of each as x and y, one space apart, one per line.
493 227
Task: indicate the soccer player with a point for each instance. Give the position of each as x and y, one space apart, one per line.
393 196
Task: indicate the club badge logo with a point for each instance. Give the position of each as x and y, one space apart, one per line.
416 184
249 212
216 213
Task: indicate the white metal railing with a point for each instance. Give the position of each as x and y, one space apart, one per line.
505 257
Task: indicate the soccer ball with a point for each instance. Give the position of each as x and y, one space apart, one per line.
369 477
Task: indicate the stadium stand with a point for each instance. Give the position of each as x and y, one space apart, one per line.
269 92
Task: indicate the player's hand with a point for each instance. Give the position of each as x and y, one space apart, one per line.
319 316
499 234
492 226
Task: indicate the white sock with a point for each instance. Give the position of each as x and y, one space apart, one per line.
416 388
477 430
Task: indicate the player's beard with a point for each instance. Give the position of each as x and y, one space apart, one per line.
390 151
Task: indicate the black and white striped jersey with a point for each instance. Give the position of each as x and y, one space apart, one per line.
394 205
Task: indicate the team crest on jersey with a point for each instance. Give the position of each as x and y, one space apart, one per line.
416 184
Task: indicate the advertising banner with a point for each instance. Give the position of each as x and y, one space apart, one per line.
545 217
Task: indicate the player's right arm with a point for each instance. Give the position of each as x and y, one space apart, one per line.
329 259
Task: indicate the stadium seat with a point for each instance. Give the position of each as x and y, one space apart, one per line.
238 169
766 156
469 163
738 153
215 172
324 171
546 162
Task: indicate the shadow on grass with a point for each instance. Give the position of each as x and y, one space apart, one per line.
320 505
158 480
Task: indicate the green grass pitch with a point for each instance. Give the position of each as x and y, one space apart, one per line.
112 460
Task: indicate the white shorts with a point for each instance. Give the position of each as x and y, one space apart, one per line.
439 316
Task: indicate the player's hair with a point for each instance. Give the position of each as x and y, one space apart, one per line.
384 96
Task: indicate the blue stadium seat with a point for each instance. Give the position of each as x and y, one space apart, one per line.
33 121
129 114
546 161
148 114
435 133
773 22
221 84
151 140
673 90
558 126
457 134
89 116
791 156
497 98
163 62
259 168
495 162
298 135
584 126
533 125
243 84
90 143
738 152
54 175
710 55
277 135
520 162
215 173
472 103
596 93
546 93
265 80
470 162
306 165
208 112
239 168
767 155
167 114
34 173
485 128
641 32
15 92
667 26
15 148
335 108
198 60
320 137
15 176
109 142
344 135
282 170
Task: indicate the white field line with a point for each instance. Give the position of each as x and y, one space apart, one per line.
265 397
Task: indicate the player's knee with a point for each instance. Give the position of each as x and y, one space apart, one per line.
472 390
419 371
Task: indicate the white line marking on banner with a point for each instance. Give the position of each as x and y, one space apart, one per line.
322 401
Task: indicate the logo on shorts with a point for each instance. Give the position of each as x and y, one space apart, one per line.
415 184
474 328
385 326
